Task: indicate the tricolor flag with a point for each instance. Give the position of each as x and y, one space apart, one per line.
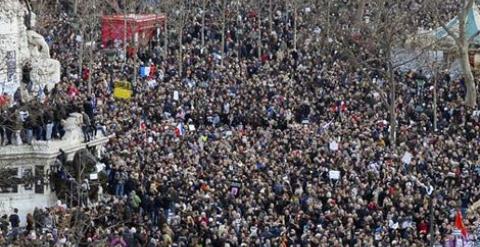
145 71
459 223
179 130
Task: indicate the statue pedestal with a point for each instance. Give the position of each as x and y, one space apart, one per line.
45 72
38 161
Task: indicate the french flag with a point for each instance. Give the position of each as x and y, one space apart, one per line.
179 130
145 71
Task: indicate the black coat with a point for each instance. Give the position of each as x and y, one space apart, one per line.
88 108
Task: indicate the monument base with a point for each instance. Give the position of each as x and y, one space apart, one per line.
32 165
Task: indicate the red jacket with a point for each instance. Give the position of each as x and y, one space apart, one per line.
85 74
423 228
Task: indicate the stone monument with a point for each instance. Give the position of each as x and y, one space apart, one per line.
39 160
21 46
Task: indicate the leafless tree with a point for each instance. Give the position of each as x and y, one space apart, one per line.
204 11
259 23
462 44
94 9
372 42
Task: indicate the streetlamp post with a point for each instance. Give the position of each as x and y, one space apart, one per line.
432 232
135 43
435 101
430 190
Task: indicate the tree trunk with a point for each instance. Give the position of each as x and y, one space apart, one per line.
471 97
325 35
463 45
79 180
114 5
270 17
135 42
80 55
392 108
224 9
204 6
432 218
92 38
435 101
238 34
359 13
259 30
79 32
165 41
125 36
295 15
90 70
180 50
75 7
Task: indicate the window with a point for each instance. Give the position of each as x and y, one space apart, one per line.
9 180
39 180
27 179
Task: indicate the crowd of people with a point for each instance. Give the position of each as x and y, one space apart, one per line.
29 121
289 148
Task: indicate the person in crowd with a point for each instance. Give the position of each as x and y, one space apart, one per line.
14 220
48 126
86 127
268 144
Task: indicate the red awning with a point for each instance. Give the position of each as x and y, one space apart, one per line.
119 27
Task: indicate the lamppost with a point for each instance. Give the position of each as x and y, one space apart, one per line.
432 226
430 190
433 77
135 52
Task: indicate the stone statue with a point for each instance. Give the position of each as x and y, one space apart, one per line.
45 71
36 43
22 45
73 131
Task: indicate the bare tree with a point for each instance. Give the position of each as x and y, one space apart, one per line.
182 16
86 24
295 23
224 20
270 16
259 28
462 43
373 46
204 11
359 13
297 9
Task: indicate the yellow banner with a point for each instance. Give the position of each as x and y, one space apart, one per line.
122 90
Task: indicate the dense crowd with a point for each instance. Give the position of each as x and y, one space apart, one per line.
289 148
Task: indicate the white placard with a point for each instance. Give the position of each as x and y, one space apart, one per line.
407 158
335 175
176 97
93 176
191 127
100 166
152 83
333 146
